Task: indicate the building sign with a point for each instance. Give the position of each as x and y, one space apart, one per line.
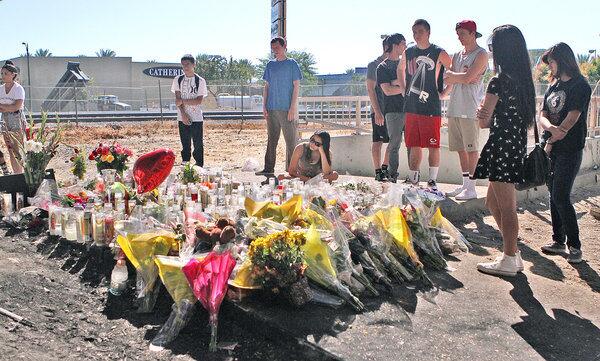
278 17
167 71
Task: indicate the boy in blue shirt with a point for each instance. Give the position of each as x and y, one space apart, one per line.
280 103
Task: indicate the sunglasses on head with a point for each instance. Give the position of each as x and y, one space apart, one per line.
316 143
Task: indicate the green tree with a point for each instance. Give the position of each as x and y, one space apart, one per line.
591 70
541 74
306 61
582 58
240 70
106 53
42 53
211 67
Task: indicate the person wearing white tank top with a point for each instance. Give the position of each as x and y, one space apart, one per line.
466 79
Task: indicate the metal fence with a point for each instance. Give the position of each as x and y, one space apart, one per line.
337 106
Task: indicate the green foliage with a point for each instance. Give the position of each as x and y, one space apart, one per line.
42 53
541 74
189 174
583 58
106 53
79 166
217 67
591 70
306 61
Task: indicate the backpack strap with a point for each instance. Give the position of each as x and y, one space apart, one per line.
196 78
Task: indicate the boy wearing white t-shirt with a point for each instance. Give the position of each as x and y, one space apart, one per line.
190 89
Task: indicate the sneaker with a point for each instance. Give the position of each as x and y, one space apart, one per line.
432 185
456 192
575 255
386 173
555 248
407 180
466 194
380 176
264 172
502 266
520 265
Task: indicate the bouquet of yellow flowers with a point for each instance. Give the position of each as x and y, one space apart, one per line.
278 266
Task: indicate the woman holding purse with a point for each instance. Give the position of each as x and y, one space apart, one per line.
12 98
508 109
563 119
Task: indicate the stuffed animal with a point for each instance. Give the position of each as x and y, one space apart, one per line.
221 233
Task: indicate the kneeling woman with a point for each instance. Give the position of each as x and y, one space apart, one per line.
311 159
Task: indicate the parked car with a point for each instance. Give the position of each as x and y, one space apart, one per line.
111 102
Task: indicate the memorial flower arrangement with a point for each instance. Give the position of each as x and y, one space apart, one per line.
71 199
278 266
79 167
111 157
189 174
37 150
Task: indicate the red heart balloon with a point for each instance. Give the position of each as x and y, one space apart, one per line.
151 169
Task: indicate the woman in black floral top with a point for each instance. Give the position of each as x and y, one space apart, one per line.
508 110
502 156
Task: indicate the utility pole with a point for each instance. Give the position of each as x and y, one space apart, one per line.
278 18
28 73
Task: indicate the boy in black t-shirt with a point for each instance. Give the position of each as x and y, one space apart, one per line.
393 100
380 134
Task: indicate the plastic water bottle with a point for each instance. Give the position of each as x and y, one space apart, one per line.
118 278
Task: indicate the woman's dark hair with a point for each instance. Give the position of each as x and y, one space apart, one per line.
511 62
565 60
10 66
392 40
326 140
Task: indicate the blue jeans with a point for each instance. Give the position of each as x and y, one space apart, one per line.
563 170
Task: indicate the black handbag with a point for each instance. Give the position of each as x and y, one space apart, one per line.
536 166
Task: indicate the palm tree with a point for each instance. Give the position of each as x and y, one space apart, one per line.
42 53
583 58
106 53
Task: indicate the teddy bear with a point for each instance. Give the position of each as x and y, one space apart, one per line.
209 236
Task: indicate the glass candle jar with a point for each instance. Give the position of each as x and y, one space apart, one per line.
98 228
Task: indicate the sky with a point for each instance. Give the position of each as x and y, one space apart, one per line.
341 34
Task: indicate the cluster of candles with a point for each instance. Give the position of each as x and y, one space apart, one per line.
7 206
216 194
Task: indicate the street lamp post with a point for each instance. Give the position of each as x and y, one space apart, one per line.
28 73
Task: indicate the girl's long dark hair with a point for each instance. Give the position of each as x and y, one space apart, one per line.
565 60
326 139
511 62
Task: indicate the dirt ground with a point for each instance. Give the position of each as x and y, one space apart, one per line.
56 285
226 145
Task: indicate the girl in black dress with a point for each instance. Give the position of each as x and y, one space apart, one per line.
508 110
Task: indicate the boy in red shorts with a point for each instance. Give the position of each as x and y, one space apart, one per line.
418 73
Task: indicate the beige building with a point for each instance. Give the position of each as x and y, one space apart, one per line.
118 76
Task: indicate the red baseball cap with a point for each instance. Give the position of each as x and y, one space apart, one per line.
468 25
